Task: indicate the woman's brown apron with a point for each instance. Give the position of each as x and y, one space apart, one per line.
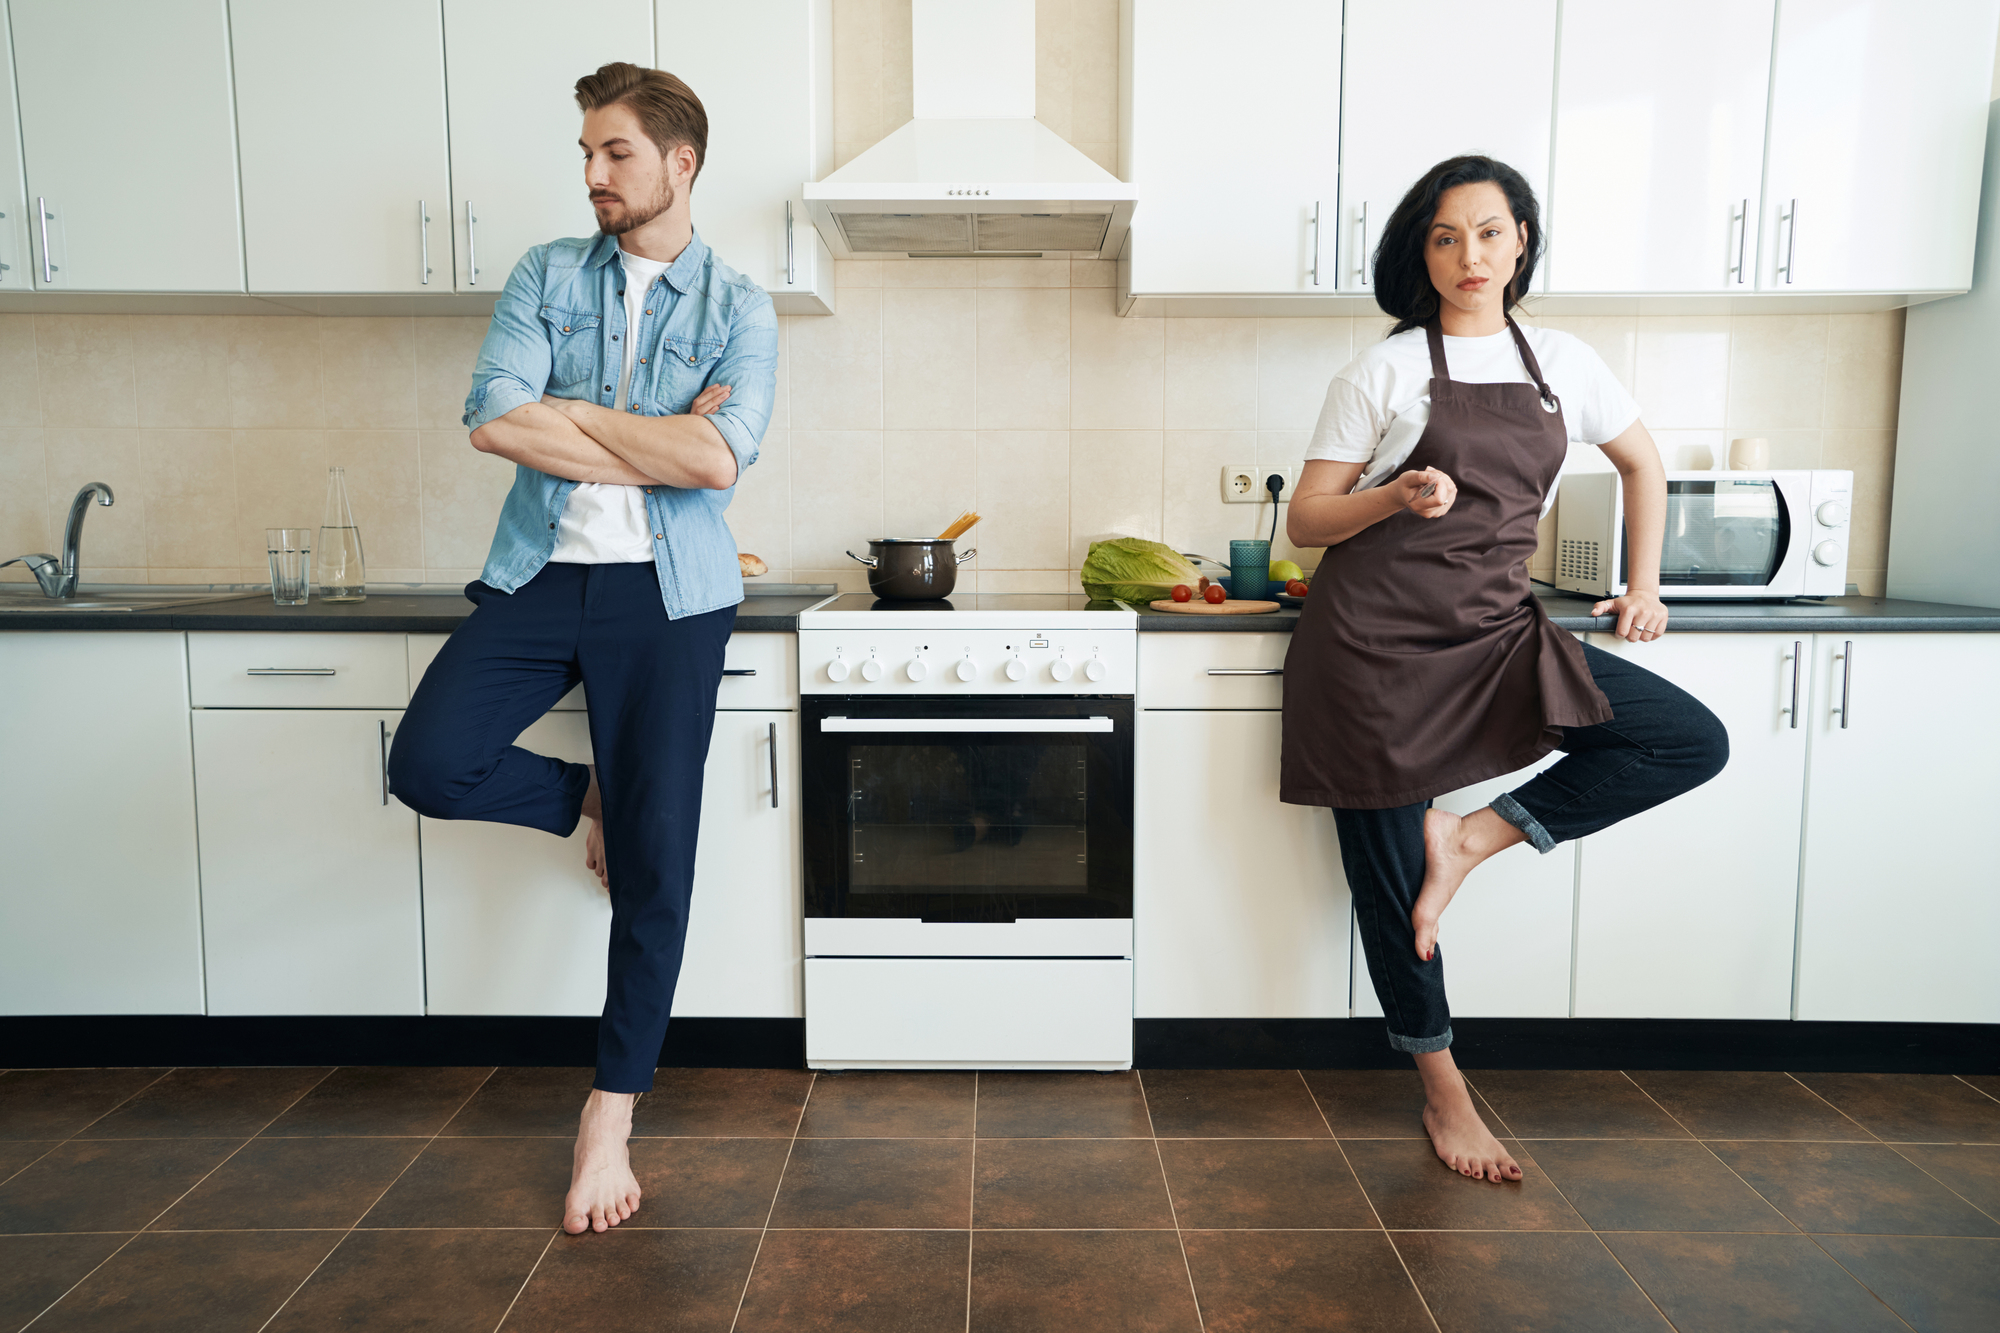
1423 661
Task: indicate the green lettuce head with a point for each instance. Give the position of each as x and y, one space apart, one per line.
1132 569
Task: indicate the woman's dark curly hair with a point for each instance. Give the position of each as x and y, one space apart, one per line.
1402 278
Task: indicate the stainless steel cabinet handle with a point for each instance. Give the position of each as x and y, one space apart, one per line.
1246 671
1846 679
1793 711
1315 224
1361 260
471 249
1791 242
292 671
739 671
424 236
1742 237
791 268
946 725
42 211
384 725
774 766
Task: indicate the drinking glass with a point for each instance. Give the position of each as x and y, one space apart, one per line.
290 550
1249 569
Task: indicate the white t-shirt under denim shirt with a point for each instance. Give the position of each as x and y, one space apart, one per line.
1378 404
605 523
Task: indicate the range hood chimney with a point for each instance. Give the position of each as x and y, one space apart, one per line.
974 174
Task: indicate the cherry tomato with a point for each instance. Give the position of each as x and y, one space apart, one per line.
1215 595
1182 593
1297 588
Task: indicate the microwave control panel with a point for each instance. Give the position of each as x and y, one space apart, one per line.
1091 660
1830 514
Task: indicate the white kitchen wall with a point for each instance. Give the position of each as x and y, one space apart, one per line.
1002 385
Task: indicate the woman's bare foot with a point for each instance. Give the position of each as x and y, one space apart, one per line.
1453 845
593 842
1459 1137
602 1189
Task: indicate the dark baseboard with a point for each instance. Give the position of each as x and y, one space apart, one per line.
1159 1043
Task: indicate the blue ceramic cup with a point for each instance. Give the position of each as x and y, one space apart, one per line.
1249 568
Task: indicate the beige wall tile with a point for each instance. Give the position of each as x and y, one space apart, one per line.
1371 329
1869 582
836 495
191 520
857 273
781 389
1681 377
1789 448
760 510
1296 359
24 497
385 488
274 372
928 355
1613 337
857 77
369 369
897 65
1692 450
1211 374
1117 366
1104 154
181 368
20 380
1194 516
280 483
1115 481
114 536
1094 73
1276 449
930 273
1055 43
1038 581
462 493
1864 370
1777 372
1093 273
85 368
929 477
447 351
836 369
1023 364
1023 500
1871 456
1022 272
852 579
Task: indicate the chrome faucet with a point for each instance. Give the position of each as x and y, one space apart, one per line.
59 577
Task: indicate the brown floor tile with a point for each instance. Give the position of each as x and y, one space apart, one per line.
1653 1185
889 1104
723 1103
1036 1104
1226 1183
1301 1282
86 1185
1572 1104
207 1103
1748 1282
1853 1187
56 1103
1936 1283
706 1182
206 1282
876 1183
624 1281
479 1182
1724 1104
293 1184
36 1270
16 1154
517 1102
1378 1103
1525 1282
1986 1083
382 1101
450 1279
1232 1104
1069 1183
857 1282
1103 1281
1970 1169
1413 1190
1912 1108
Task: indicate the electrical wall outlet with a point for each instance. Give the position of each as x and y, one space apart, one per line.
1243 483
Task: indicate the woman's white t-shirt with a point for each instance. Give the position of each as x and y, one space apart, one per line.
1378 404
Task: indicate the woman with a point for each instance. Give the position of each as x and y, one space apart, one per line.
1423 662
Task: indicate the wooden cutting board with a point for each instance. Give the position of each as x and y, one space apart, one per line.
1230 608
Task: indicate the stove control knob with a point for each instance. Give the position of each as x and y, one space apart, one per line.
1095 669
965 670
917 670
1016 670
1061 670
871 670
836 670
1831 514
1827 553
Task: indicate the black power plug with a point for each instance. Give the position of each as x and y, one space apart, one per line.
1274 484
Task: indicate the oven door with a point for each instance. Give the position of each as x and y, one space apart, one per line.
981 809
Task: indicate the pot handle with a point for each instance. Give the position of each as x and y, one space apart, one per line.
967 556
866 560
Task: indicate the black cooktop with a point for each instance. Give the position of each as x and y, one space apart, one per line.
970 602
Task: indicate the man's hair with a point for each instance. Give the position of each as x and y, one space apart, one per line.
667 109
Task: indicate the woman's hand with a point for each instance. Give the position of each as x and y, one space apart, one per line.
1412 486
1642 616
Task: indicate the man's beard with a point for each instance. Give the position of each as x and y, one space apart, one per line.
624 219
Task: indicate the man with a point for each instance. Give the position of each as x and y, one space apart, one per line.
629 376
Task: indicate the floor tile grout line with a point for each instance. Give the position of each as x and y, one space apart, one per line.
1637 1285
1710 1150
1976 1088
504 1314
31 1161
1830 1105
1894 1313
1187 1265
1983 1212
764 1231
121 1102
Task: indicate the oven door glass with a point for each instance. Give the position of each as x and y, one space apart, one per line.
1722 533
968 809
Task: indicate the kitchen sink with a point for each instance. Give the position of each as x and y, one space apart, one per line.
26 599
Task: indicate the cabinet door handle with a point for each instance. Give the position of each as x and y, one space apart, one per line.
1846 679
291 671
791 267
739 671
1246 671
1361 261
424 237
1791 242
471 249
42 212
774 766
383 723
1798 647
1315 227
1742 239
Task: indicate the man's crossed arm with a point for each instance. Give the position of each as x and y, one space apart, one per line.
580 441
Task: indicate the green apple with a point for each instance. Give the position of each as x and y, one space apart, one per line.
1284 571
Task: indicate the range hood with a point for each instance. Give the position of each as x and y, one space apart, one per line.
975 174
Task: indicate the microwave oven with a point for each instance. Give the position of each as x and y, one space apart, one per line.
1728 534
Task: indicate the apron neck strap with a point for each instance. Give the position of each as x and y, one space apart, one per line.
1434 335
1528 359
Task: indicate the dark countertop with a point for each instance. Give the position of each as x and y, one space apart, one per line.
394 613
1858 615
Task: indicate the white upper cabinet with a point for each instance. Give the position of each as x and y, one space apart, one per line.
1236 157
341 114
1659 146
1393 125
770 129
516 170
126 127
1878 131
14 252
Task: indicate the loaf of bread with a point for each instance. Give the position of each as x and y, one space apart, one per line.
750 565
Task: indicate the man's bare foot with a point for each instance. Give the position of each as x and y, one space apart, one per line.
593 842
602 1189
1453 845
1458 1135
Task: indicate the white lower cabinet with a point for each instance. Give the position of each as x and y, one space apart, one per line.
100 896
1240 907
1688 910
1900 918
310 897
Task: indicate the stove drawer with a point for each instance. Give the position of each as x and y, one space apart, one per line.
1218 670
969 1013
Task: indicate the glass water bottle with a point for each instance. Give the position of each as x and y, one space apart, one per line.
343 576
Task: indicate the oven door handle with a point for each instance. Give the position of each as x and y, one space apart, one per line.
949 724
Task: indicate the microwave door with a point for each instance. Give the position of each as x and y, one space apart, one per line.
1726 537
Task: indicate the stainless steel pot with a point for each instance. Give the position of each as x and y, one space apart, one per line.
907 569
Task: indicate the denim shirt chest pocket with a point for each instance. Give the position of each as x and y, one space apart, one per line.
573 344
682 368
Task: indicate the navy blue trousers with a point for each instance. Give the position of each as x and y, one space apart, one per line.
651 683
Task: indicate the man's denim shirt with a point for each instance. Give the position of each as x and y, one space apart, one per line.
557 329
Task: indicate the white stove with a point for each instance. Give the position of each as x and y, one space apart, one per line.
992 644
